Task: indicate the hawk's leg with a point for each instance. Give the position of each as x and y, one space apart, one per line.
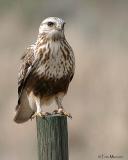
60 108
39 111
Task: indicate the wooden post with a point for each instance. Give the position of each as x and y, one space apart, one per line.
52 136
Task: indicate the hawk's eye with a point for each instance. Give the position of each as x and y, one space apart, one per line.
50 24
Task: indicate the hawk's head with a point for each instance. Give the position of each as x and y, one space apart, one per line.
53 27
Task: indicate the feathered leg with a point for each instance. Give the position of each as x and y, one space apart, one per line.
39 111
60 107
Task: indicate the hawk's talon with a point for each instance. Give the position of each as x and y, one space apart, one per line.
62 112
40 114
55 112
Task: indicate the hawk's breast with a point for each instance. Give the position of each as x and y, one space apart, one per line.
54 71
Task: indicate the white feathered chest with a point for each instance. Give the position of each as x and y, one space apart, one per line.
55 62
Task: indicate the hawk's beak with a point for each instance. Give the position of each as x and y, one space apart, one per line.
60 27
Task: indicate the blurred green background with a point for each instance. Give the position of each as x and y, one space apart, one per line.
98 95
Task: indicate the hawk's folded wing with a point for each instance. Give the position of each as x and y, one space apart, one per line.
26 63
23 109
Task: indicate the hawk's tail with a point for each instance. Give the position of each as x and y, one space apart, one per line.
23 110
23 114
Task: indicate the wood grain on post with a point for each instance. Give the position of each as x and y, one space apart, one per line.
52 136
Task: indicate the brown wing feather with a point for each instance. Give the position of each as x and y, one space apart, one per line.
23 110
27 61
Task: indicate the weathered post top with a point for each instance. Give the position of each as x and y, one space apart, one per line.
52 136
